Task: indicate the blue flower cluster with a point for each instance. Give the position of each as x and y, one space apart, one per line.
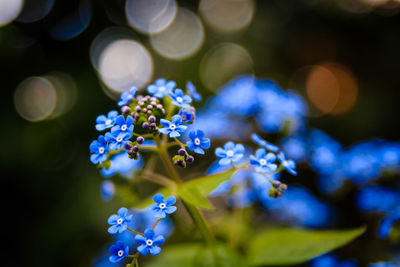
146 242
330 260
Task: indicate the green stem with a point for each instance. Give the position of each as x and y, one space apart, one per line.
133 231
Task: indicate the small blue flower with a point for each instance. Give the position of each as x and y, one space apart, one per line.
107 190
126 97
99 149
180 100
173 128
161 88
123 126
162 208
104 122
117 140
263 161
261 142
118 252
119 222
149 243
230 153
197 142
186 114
288 165
191 89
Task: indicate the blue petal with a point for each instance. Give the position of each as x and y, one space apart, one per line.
122 212
112 219
224 161
170 210
154 250
149 233
171 200
165 123
205 143
174 134
198 150
219 152
164 130
158 198
159 240
113 229
140 239
143 249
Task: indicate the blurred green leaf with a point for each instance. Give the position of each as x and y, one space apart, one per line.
290 246
196 191
197 255
166 191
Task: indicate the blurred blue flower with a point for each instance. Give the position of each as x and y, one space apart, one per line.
161 88
198 142
99 149
186 114
173 127
295 147
383 264
288 165
117 140
107 190
330 260
191 89
162 208
122 164
119 222
118 252
123 126
261 142
231 153
127 96
149 243
103 122
179 99
263 162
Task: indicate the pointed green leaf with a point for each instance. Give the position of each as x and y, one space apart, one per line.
192 195
290 246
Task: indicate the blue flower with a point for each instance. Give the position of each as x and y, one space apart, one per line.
263 162
173 128
383 264
288 165
261 142
230 153
149 243
162 208
386 226
119 222
126 97
99 149
104 122
197 141
118 252
122 164
330 260
180 100
123 126
186 114
117 140
161 88
191 89
107 190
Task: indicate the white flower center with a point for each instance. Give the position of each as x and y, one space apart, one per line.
124 127
162 206
101 150
108 121
179 99
172 126
149 242
119 139
120 253
161 88
197 141
120 220
263 162
229 153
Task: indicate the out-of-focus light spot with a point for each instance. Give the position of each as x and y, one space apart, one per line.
227 15
47 97
9 10
353 6
332 88
374 2
182 38
35 10
222 63
322 89
66 92
150 16
72 25
35 98
124 63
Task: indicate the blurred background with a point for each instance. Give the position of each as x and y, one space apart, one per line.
64 62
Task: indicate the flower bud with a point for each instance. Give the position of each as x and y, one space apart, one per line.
283 187
182 152
140 140
127 146
135 148
276 184
125 109
152 119
145 125
190 159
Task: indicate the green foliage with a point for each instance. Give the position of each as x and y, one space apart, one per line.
192 195
290 246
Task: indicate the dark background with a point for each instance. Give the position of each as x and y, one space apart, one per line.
52 211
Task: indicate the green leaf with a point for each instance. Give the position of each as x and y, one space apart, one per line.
196 191
197 255
289 246
166 191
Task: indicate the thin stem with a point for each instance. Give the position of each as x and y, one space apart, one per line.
167 161
133 231
155 224
152 148
156 178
